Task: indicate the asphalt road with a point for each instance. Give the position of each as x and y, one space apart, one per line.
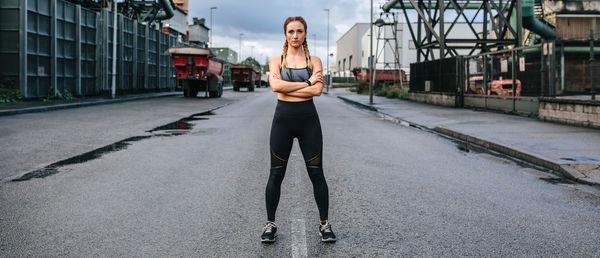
394 190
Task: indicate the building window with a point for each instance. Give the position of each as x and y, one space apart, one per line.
350 63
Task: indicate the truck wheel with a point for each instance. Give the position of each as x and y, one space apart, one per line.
251 87
193 91
186 88
216 93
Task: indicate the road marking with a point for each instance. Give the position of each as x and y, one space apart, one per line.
299 224
299 238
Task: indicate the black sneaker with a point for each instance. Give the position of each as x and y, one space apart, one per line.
269 233
325 232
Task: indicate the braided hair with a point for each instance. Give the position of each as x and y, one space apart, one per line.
304 44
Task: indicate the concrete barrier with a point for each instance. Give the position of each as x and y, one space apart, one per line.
570 111
442 99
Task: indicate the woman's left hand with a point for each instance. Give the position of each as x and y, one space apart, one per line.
315 78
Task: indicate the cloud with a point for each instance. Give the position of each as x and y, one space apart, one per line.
261 21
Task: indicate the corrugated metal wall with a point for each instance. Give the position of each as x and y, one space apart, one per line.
88 59
9 43
64 48
436 75
39 49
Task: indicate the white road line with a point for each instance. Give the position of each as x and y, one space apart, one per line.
299 238
299 224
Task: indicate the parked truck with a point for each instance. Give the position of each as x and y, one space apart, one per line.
197 70
495 87
245 76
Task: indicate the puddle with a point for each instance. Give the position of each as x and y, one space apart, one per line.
183 124
466 147
580 159
179 127
569 159
40 173
90 155
554 180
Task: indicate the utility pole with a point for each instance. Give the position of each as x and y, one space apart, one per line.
240 53
315 43
371 58
211 27
113 90
327 52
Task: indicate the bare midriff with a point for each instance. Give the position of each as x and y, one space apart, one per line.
281 96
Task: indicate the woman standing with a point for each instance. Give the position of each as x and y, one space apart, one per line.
297 78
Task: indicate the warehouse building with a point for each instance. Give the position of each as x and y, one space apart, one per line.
352 49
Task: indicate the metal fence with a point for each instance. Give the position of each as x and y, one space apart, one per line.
54 47
512 80
436 76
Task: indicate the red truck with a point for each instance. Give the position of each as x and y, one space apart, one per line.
381 75
244 76
495 87
198 70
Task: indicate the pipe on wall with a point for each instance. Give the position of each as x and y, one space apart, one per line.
533 24
167 10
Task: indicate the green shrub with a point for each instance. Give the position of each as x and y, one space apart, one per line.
8 95
380 92
393 92
362 87
403 93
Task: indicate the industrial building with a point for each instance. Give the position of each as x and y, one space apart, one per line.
198 32
353 47
53 48
228 55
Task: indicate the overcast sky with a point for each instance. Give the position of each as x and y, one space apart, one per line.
261 21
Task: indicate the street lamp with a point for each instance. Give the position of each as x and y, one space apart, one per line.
315 43
240 53
327 52
211 43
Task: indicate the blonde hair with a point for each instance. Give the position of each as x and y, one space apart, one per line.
304 44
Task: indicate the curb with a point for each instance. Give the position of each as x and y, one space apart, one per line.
358 104
566 170
81 104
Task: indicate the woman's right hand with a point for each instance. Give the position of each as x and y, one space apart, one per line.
315 78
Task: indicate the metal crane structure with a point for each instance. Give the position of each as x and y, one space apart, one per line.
147 10
141 10
431 18
387 33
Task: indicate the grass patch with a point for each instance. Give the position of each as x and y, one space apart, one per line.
10 95
381 90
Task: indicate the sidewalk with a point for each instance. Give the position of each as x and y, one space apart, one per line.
573 151
41 106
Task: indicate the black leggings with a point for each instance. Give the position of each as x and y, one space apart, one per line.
296 120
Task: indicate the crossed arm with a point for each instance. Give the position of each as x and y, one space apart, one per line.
296 89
